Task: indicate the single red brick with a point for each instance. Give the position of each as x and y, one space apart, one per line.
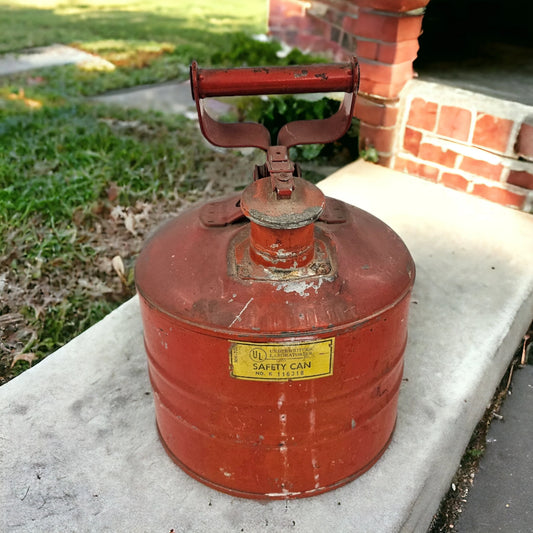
287 8
399 52
297 23
374 113
349 24
454 122
423 114
499 195
524 142
521 178
390 115
366 49
275 7
411 140
429 172
481 168
435 154
492 132
380 137
386 27
406 165
384 73
454 181
385 90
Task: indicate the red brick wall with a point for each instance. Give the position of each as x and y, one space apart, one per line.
487 151
384 36
467 141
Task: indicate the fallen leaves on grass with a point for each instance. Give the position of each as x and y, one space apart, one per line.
125 53
118 266
29 102
98 269
134 217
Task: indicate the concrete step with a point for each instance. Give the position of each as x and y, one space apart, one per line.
79 447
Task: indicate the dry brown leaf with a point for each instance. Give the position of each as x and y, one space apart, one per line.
29 357
118 266
34 104
129 222
117 213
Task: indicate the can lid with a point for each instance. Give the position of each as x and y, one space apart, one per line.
261 204
279 198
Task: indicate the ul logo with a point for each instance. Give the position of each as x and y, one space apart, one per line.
258 354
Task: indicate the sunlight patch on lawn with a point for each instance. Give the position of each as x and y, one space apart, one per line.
129 54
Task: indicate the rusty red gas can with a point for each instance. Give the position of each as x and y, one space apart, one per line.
275 321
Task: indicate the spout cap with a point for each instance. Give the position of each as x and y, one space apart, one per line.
262 205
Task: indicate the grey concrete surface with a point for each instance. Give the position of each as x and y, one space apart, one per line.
500 500
170 97
48 56
79 445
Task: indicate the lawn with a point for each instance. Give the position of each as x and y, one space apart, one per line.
196 24
81 185
147 41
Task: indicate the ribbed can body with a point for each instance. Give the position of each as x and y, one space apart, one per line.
268 385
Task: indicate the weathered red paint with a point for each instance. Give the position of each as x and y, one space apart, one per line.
212 282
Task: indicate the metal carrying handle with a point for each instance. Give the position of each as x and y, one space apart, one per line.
276 80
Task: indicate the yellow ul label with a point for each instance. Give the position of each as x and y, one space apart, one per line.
281 362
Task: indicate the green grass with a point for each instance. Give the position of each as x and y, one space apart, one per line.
61 157
190 23
147 41
73 154
56 171
67 166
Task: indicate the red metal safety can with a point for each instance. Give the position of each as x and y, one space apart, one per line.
275 321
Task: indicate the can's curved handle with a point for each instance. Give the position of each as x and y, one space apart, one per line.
336 77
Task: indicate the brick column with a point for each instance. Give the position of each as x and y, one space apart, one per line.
383 34
386 33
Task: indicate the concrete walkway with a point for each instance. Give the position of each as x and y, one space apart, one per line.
500 500
79 446
50 56
170 97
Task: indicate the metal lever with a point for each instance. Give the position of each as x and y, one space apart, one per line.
275 80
